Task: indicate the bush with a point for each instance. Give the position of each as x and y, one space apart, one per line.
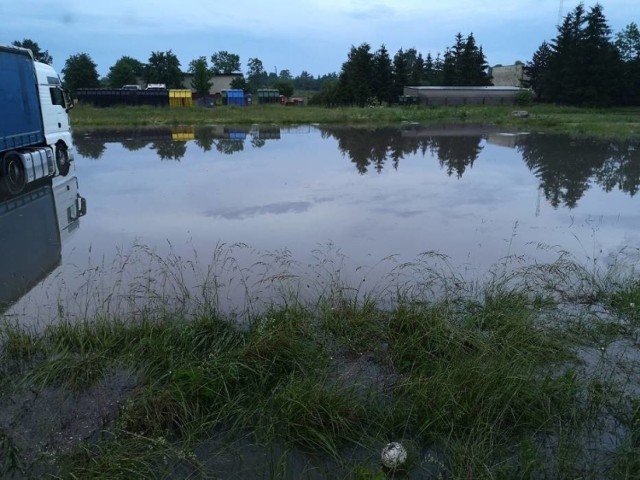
524 98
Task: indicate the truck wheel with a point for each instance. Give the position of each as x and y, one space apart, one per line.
62 159
12 174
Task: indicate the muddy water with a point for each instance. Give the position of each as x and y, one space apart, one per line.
175 213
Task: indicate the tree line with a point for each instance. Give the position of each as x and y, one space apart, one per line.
585 65
80 71
365 76
373 78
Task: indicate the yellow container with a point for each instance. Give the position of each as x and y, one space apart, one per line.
180 98
182 134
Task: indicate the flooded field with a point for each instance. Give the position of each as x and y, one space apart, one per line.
239 210
467 292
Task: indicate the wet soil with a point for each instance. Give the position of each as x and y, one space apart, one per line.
35 425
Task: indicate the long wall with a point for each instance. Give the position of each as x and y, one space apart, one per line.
463 95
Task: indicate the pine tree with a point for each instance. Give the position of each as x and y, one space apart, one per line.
355 83
473 65
438 70
417 71
400 73
564 65
602 64
429 70
537 71
383 76
584 67
465 64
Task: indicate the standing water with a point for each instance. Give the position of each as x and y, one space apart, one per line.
250 214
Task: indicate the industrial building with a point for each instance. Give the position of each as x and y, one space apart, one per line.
495 95
219 82
507 75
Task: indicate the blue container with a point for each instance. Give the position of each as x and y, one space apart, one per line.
235 97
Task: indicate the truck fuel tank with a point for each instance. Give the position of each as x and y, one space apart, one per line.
19 168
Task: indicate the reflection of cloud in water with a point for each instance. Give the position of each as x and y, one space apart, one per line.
273 208
400 213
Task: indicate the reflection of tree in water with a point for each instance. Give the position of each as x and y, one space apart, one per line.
204 137
88 148
262 133
229 146
366 147
622 168
228 141
566 166
374 147
169 150
257 142
134 144
456 153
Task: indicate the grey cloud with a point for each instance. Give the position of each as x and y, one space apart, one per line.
373 12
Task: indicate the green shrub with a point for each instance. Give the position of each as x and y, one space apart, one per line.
524 98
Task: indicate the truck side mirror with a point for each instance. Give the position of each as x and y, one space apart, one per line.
68 103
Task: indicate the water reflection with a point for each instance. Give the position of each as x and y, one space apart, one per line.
33 228
171 143
565 167
455 147
474 193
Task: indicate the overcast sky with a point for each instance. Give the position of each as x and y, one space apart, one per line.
311 35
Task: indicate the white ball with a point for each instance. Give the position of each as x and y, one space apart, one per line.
394 455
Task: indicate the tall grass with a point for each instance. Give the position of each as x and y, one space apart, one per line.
520 374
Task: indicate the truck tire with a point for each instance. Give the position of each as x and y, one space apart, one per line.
12 175
62 159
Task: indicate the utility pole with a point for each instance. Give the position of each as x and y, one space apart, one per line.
560 13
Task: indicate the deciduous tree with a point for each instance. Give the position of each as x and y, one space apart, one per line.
125 71
628 45
284 87
256 76
38 55
225 63
239 83
164 67
80 71
201 81
285 75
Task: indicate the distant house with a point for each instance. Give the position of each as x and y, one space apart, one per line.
220 82
507 75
